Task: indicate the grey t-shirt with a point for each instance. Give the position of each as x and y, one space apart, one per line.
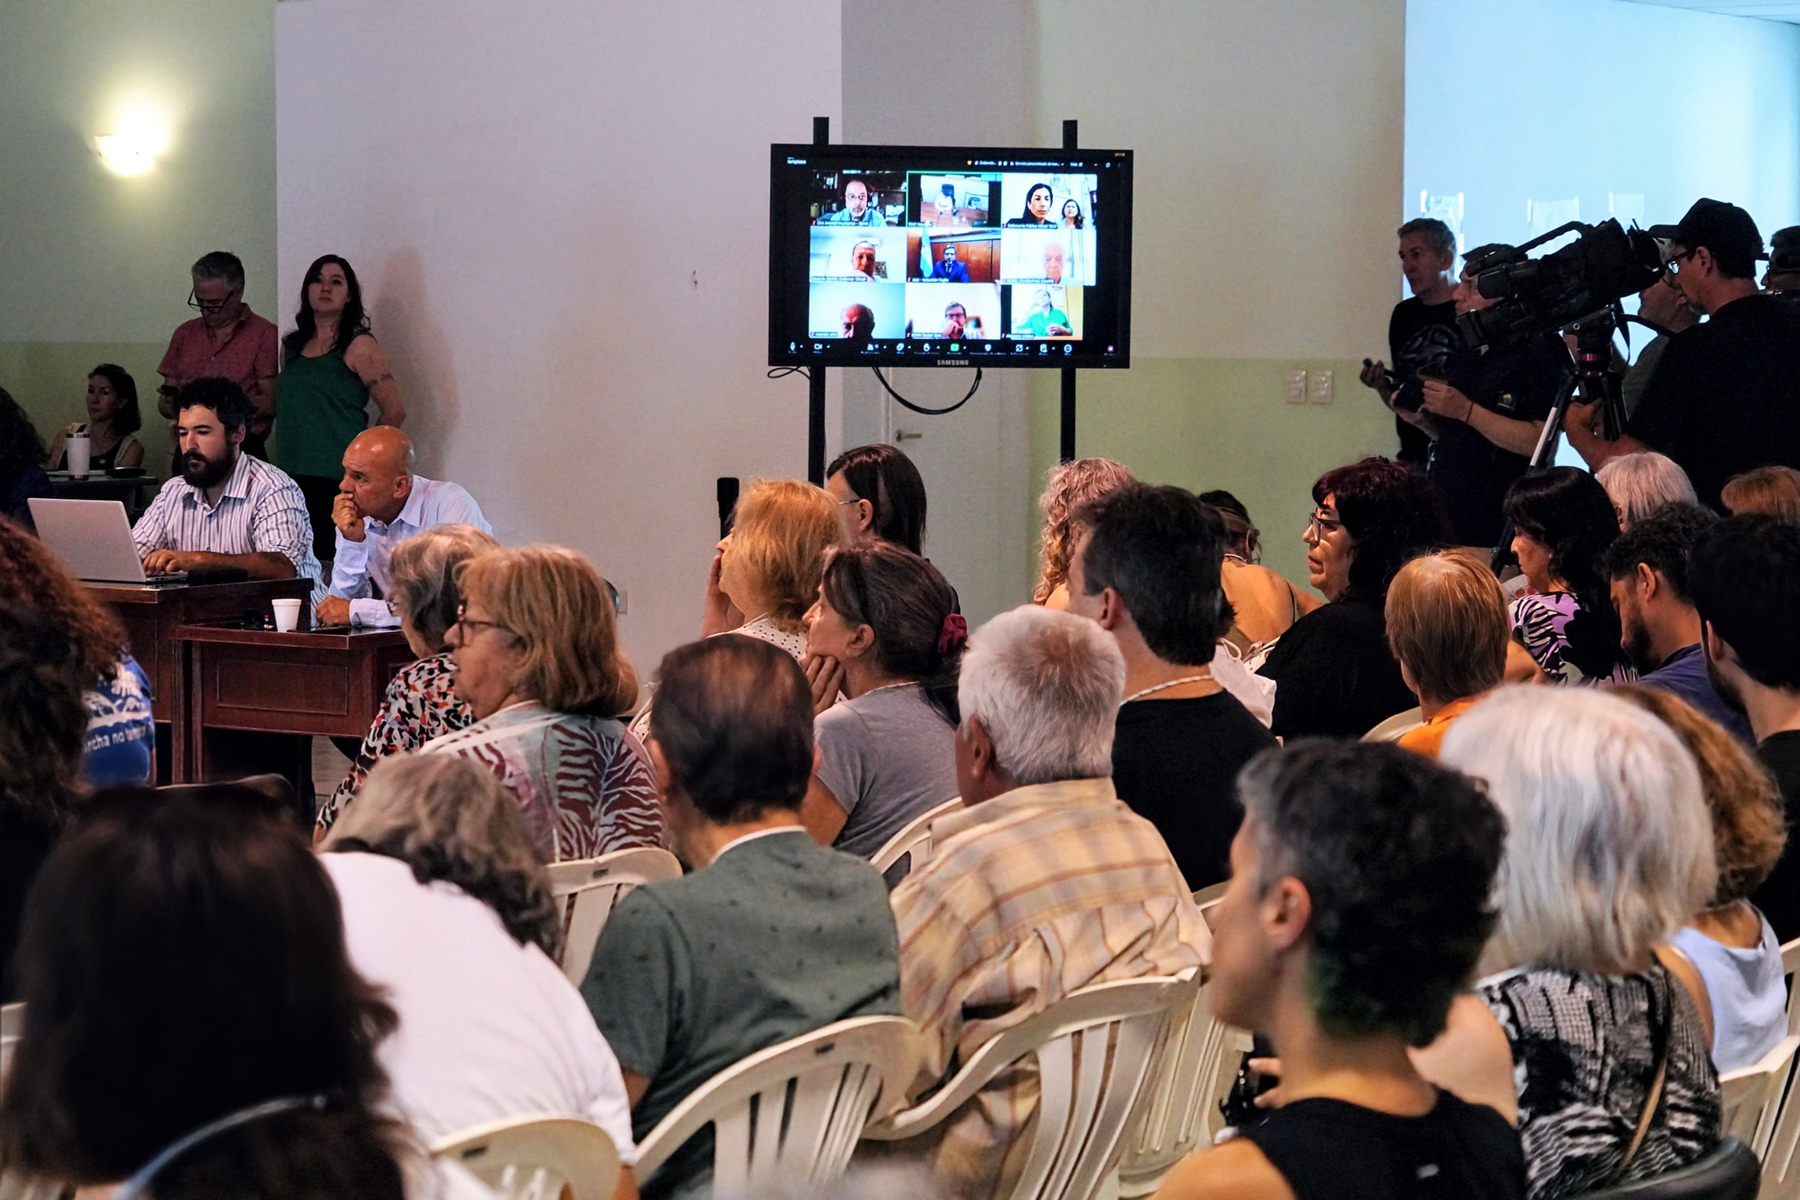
887 756
777 937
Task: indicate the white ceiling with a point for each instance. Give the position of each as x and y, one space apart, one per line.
1770 10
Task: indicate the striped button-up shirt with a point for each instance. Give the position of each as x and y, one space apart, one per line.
1029 896
261 511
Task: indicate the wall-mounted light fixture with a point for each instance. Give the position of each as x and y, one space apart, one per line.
134 149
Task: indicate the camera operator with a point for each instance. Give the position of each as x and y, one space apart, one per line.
1487 412
1783 275
1726 395
1663 306
1421 332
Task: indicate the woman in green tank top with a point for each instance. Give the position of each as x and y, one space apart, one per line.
333 368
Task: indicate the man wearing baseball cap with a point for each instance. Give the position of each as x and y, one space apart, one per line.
1726 395
1783 275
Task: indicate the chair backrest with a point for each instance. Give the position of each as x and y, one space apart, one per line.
1173 1120
1094 1050
591 887
1745 1094
533 1157
12 1024
1395 726
1779 1137
787 1118
1727 1173
914 839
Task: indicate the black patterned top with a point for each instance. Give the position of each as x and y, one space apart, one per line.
1584 1053
420 704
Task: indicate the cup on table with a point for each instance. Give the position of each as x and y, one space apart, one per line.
80 448
287 614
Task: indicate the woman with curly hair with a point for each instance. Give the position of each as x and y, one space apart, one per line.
22 474
1070 485
41 720
447 908
1562 522
1336 674
120 745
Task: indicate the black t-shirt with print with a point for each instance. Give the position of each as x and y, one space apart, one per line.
1420 336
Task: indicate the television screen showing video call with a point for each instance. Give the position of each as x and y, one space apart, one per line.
927 256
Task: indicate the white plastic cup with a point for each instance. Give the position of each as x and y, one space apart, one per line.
287 614
80 450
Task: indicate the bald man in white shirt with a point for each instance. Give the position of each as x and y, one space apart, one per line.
380 504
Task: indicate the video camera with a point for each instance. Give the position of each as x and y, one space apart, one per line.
1585 278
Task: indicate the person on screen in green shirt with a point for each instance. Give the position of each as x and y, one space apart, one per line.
770 935
1048 320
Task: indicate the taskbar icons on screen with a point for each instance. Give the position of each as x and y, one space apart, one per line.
879 347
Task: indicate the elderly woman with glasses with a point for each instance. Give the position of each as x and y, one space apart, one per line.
421 701
1334 671
538 664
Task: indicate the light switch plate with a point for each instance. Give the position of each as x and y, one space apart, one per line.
1321 386
1295 392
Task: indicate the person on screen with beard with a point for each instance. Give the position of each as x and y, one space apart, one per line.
1421 332
226 509
958 323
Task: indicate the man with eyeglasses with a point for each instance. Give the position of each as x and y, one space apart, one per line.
226 340
1725 396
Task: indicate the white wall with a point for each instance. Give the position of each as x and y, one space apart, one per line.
559 212
1516 100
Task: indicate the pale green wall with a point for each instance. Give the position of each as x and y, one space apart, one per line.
94 265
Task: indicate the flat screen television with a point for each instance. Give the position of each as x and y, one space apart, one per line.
921 256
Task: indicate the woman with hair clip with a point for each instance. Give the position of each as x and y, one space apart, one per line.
332 367
1563 521
886 751
113 421
193 1025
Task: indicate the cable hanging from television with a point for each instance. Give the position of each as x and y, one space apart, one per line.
929 412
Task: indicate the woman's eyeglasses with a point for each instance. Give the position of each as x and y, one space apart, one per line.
471 625
1319 525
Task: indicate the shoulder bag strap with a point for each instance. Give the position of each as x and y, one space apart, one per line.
1654 1098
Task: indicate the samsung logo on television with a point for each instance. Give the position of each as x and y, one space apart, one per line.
951 362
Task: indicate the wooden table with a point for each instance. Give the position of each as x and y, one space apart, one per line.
151 615
302 684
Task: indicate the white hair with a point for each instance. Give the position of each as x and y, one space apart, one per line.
1046 686
1641 483
1609 847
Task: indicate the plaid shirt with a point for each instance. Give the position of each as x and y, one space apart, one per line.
1028 897
261 511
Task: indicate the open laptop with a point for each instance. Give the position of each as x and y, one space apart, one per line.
93 539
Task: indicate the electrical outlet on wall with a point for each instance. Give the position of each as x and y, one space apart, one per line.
1295 391
1321 386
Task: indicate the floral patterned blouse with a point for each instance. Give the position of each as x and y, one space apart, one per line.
420 704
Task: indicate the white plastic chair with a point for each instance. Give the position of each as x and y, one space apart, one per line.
1395 727
1780 1147
787 1118
12 1025
913 839
1748 1092
533 1157
592 887
1094 1049
1175 1105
